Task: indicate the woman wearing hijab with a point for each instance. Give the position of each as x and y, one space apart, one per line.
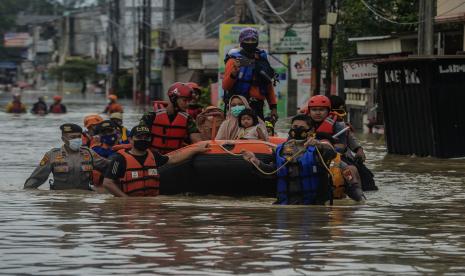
229 129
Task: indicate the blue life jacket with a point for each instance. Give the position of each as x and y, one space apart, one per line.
310 177
245 77
103 152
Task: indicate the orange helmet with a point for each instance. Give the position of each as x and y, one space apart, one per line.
112 97
93 119
319 101
57 98
179 89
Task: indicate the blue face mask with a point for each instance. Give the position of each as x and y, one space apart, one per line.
236 110
109 139
75 144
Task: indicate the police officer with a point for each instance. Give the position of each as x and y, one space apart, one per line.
71 165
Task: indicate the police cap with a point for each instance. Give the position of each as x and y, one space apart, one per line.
70 128
140 130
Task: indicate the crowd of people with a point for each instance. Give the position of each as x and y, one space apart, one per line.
106 156
39 108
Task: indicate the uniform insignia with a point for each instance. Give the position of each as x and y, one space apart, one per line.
86 157
44 160
67 128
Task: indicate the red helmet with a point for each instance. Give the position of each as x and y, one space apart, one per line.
57 98
179 89
319 101
193 85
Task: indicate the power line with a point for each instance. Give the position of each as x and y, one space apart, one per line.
268 3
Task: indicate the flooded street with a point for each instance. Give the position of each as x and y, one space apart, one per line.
414 225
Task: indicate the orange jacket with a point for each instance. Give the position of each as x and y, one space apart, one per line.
228 83
114 107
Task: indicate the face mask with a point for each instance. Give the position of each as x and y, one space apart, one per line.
236 110
249 47
141 144
75 144
298 133
108 139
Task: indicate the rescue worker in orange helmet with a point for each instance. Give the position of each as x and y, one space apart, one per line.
195 108
71 165
57 107
89 138
325 121
134 172
16 106
172 127
113 106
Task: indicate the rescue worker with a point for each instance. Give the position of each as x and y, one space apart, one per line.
134 172
195 107
248 73
172 127
71 165
123 133
325 121
113 106
108 137
357 159
303 178
16 106
40 107
89 138
57 107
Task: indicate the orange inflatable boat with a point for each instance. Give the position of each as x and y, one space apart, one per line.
222 170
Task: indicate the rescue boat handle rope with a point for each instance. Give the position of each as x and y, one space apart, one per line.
285 163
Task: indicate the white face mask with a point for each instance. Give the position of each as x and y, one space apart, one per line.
75 144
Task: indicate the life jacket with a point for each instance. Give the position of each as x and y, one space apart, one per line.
246 77
194 111
17 107
337 178
327 126
309 176
168 136
140 180
89 141
56 108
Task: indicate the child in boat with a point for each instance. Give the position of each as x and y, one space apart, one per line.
248 126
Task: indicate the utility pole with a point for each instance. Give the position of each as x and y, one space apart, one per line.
148 46
239 11
134 52
426 28
316 47
141 58
329 72
114 23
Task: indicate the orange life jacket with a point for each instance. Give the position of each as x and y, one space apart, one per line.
140 180
168 136
56 108
338 178
17 107
327 126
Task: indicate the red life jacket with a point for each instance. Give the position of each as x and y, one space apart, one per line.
168 136
56 108
327 126
140 180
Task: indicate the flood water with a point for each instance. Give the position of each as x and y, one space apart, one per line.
414 225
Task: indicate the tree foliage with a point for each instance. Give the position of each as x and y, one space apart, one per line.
76 70
356 20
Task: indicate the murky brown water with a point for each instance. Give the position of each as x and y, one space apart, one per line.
413 225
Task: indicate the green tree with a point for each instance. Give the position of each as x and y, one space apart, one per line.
76 70
356 20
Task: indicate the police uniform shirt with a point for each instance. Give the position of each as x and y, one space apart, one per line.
71 170
117 167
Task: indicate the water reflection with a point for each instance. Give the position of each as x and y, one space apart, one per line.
412 226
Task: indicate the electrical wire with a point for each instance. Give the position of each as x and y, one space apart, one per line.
268 3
